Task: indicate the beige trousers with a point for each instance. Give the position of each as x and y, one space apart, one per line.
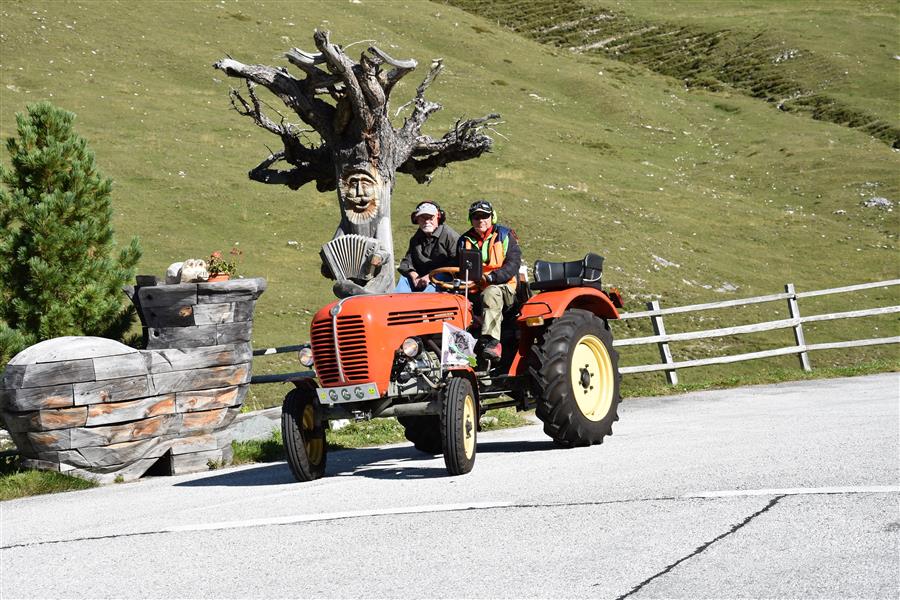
494 299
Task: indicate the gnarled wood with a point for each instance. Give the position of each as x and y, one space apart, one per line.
359 150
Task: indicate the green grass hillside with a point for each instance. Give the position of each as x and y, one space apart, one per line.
693 193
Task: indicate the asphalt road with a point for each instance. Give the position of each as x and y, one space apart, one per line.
787 490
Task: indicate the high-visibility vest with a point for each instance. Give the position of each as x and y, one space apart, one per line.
493 250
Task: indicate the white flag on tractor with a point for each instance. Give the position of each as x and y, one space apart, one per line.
457 347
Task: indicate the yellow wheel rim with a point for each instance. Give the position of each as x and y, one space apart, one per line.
469 426
314 446
592 378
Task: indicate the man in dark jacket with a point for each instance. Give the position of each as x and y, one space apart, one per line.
433 246
501 259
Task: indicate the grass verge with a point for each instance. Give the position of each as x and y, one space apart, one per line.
16 482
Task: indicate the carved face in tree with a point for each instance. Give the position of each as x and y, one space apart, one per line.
359 191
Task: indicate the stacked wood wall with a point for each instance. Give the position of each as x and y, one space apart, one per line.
99 409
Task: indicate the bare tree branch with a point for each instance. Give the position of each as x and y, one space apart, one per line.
341 65
423 108
401 68
294 93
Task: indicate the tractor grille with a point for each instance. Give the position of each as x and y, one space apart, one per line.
408 317
351 342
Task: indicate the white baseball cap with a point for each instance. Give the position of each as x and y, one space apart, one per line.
426 208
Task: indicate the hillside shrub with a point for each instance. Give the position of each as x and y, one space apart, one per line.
60 271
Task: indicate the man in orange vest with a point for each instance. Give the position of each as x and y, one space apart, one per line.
500 258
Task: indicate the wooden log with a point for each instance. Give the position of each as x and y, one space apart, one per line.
201 461
12 377
113 390
212 314
169 316
210 399
201 379
17 422
234 333
233 290
170 296
180 359
243 311
206 421
70 348
46 420
181 337
58 396
57 373
125 365
201 443
113 455
41 441
106 435
114 473
118 412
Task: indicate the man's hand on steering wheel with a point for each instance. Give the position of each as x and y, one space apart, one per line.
455 284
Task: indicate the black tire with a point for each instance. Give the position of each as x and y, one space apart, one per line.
459 425
303 434
424 432
576 377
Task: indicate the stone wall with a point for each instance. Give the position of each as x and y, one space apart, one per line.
99 409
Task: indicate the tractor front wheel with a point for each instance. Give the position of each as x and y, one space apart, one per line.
459 425
576 376
303 434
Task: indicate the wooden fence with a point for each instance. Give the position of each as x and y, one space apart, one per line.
800 348
656 314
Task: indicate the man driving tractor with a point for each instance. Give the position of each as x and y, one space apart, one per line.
501 258
432 246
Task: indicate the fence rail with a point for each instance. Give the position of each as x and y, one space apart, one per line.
662 339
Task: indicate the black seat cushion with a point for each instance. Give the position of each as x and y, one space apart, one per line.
560 275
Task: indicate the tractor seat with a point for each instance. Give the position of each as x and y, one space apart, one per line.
561 275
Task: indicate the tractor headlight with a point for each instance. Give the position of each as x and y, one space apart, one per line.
411 347
306 356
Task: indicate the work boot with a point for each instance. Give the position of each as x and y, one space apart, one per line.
491 349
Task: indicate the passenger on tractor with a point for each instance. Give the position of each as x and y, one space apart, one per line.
433 246
501 258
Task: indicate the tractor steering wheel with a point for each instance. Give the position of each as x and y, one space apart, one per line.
455 284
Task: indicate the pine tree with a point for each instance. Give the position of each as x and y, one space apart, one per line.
58 272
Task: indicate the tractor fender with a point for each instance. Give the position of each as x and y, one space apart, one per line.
551 305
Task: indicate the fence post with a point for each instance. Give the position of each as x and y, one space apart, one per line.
665 353
794 310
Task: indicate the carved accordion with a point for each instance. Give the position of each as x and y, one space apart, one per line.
350 257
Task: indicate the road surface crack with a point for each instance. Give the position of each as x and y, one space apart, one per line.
701 548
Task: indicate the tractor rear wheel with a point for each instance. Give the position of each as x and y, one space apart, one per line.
303 434
576 376
459 425
424 432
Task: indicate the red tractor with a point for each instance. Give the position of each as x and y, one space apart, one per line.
381 356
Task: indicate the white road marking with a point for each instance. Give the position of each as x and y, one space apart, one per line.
408 510
861 489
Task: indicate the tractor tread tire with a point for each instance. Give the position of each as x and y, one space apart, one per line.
295 403
453 426
550 359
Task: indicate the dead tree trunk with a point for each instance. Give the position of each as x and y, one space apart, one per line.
358 152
